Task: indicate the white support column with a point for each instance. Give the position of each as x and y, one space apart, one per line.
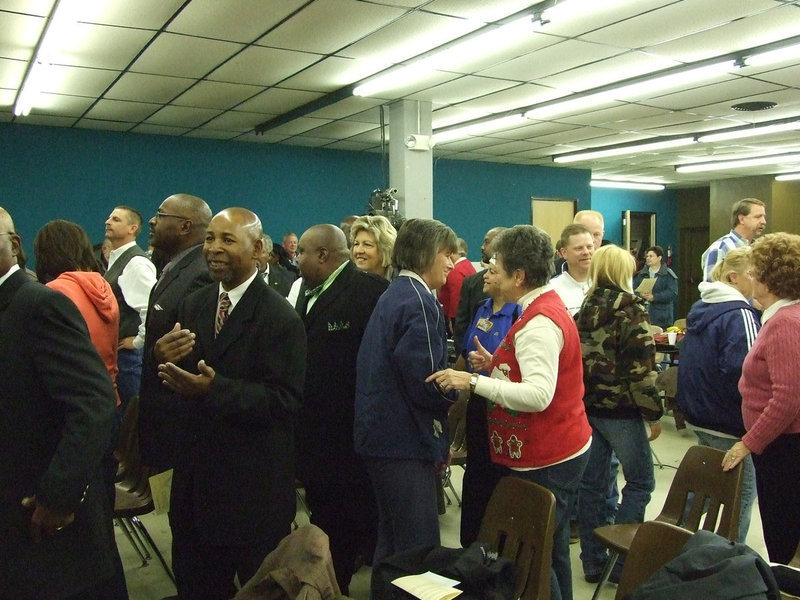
411 170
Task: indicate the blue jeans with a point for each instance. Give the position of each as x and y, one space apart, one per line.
627 438
563 480
748 478
129 377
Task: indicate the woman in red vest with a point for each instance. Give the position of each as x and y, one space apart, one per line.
537 423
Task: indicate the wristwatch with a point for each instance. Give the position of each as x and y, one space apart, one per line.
473 381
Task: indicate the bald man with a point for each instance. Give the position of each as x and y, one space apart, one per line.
335 311
236 360
58 405
177 231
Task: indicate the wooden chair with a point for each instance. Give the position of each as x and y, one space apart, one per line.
680 324
654 545
519 524
702 495
133 495
457 419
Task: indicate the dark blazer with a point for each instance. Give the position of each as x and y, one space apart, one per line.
234 471
472 297
57 405
334 328
157 417
281 279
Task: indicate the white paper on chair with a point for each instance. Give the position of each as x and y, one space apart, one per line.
428 586
160 487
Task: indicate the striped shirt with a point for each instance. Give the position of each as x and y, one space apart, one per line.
717 251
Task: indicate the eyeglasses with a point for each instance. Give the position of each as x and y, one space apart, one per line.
159 215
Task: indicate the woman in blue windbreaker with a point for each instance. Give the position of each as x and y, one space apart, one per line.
720 329
661 298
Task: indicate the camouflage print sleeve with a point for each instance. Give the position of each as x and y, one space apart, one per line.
636 362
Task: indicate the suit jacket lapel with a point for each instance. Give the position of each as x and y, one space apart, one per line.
10 287
237 321
173 273
329 296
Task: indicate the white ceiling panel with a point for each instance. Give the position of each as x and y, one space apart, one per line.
212 94
322 26
212 18
183 56
182 116
258 65
141 87
196 74
120 110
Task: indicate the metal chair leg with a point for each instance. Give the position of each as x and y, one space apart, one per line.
121 524
152 543
612 560
657 460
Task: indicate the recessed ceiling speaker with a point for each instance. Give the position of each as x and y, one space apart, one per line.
754 106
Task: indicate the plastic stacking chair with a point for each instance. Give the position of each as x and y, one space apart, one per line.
519 524
457 418
702 496
133 495
654 545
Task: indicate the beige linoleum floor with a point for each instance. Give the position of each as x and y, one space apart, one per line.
151 583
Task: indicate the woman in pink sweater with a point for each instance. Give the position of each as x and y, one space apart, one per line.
770 392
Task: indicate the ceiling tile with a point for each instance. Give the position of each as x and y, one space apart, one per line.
277 101
78 81
144 14
480 10
258 65
120 46
323 26
462 89
182 116
670 22
183 56
119 110
513 98
356 108
233 120
212 18
328 75
788 76
341 129
46 120
20 33
150 128
298 126
142 87
103 125
596 15
62 105
734 90
616 116
212 94
11 72
552 59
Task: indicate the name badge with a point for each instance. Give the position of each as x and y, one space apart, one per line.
485 325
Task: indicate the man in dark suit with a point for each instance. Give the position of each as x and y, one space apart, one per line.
335 311
177 231
277 276
472 293
57 405
238 365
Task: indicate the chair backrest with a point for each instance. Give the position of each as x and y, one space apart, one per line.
680 324
457 418
519 524
654 545
667 381
703 496
654 330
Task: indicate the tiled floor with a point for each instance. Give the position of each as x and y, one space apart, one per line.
151 583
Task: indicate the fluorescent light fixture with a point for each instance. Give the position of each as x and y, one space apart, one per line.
749 132
627 185
478 128
622 150
632 90
742 163
494 38
56 33
774 56
788 177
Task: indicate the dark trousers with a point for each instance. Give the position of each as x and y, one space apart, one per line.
778 485
205 571
344 507
481 474
563 480
405 490
130 375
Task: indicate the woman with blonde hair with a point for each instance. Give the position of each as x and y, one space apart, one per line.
619 376
372 240
770 392
721 328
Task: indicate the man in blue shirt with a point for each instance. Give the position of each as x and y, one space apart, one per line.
748 220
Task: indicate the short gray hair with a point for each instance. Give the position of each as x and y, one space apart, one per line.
528 248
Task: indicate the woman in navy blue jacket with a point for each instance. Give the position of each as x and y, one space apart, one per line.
720 329
661 298
400 421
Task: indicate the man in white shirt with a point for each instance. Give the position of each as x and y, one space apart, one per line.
132 275
577 248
